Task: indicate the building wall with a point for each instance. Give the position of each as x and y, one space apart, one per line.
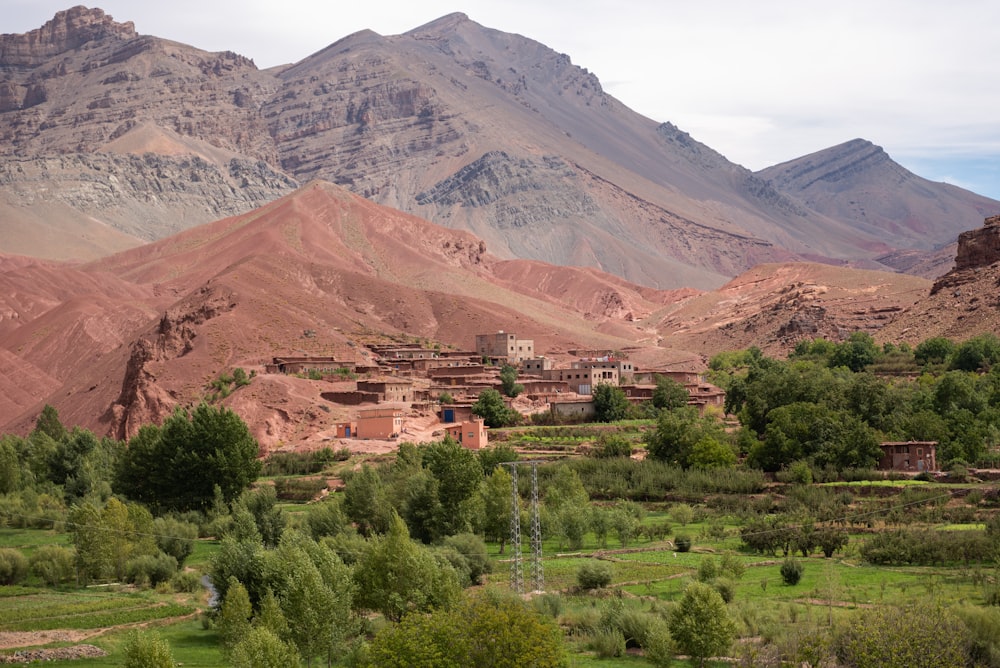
380 426
470 434
914 456
505 345
573 409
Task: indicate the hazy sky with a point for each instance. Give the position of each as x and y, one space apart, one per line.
761 81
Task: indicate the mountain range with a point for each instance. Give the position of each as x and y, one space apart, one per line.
112 138
449 181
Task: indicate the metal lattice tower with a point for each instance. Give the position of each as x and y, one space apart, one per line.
516 567
516 572
537 574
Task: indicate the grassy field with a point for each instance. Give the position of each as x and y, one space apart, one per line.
647 575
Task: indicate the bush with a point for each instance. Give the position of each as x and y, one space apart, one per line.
682 542
13 566
186 581
175 537
608 643
612 445
473 550
53 564
791 571
726 589
151 570
594 575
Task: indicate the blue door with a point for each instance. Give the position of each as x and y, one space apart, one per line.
449 415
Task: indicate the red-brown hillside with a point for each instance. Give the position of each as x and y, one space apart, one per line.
121 341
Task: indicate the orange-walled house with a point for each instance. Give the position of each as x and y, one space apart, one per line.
379 423
470 434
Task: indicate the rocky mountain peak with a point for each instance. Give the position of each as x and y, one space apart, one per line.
67 30
442 26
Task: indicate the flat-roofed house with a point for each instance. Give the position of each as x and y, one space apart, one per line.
379 423
914 456
471 434
504 345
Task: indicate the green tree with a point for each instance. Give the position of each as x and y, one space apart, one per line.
175 537
700 624
491 407
48 423
327 518
459 475
610 403
366 503
495 491
146 649
93 550
235 614
179 465
262 503
10 466
679 431
936 350
316 592
669 394
395 575
977 354
856 353
508 381
488 630
261 648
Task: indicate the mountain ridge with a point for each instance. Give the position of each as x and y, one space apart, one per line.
396 119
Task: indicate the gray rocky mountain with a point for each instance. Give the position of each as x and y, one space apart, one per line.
119 137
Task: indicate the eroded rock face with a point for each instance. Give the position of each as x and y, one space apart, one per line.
977 248
67 30
142 400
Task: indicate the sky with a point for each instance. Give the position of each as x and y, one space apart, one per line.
761 81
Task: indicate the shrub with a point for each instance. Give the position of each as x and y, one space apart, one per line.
473 549
53 564
175 537
13 566
146 649
186 581
151 570
726 589
708 570
791 571
682 513
612 445
594 575
608 643
682 542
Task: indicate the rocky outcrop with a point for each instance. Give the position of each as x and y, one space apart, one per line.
977 249
67 30
141 400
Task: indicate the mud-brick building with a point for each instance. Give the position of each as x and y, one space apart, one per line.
379 423
911 456
470 434
389 390
504 345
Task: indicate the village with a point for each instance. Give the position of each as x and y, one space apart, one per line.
408 391
412 392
